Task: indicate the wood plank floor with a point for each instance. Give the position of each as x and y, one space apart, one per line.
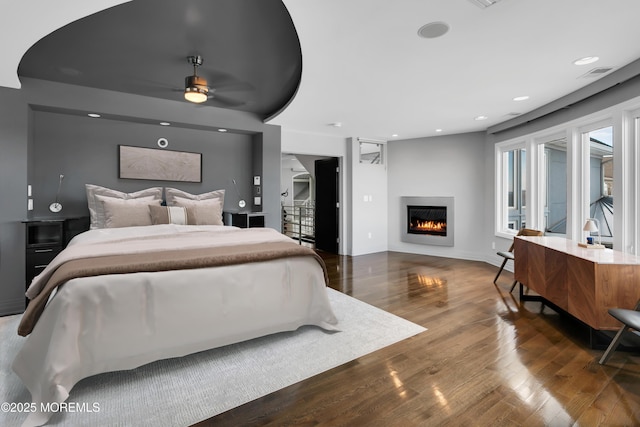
485 360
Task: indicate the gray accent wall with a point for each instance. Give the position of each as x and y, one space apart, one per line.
14 114
45 132
85 151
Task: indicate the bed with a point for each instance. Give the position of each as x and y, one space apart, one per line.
122 319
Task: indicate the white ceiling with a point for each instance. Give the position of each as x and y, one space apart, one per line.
365 66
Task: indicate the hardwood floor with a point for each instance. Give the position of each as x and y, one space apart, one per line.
485 360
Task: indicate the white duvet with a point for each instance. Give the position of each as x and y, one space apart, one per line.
107 323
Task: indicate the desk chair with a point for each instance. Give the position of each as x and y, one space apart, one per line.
630 320
508 255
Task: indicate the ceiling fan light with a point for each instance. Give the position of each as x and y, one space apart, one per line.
196 95
196 89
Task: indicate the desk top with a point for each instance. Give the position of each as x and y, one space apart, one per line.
570 247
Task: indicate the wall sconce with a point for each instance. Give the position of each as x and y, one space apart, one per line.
56 206
241 202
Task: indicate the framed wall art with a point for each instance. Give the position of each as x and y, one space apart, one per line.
159 165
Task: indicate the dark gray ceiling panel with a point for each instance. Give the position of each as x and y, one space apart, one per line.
251 51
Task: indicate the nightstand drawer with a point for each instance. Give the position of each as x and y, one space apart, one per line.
41 256
33 271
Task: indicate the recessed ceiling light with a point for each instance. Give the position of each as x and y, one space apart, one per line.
395 135
438 130
222 130
165 124
433 30
481 118
336 124
94 115
521 98
586 60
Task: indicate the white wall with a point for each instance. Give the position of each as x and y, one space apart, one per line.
443 166
368 204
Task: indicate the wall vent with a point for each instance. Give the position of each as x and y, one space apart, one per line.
483 4
596 72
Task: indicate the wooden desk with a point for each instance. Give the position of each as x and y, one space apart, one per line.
583 282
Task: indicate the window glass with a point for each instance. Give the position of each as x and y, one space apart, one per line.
601 183
554 186
514 187
371 153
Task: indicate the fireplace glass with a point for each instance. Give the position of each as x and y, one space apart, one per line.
427 220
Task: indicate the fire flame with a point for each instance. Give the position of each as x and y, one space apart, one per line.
431 225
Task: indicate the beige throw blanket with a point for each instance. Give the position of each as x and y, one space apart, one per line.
158 260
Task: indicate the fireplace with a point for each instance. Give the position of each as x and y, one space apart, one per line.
427 220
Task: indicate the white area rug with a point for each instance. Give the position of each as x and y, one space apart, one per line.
183 391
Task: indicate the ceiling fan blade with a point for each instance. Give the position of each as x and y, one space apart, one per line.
224 81
224 101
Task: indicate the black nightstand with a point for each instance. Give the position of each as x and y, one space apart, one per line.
45 238
244 219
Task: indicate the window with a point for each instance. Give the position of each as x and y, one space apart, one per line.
571 172
513 189
371 153
599 148
517 190
553 185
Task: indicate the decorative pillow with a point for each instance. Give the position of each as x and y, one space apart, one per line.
125 212
170 215
95 208
202 212
170 195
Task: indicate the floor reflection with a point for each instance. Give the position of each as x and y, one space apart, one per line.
486 359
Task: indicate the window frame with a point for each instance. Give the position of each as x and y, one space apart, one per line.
625 120
501 179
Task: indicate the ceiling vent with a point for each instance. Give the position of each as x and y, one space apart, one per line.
483 4
596 72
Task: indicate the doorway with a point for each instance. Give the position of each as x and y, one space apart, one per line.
327 205
309 199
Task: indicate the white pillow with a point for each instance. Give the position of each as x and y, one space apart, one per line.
170 195
125 212
202 212
96 213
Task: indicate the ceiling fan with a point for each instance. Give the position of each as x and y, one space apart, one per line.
196 89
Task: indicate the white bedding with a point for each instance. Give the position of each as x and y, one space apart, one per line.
107 323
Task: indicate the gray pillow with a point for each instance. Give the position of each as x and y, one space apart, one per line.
96 213
202 212
126 212
171 193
